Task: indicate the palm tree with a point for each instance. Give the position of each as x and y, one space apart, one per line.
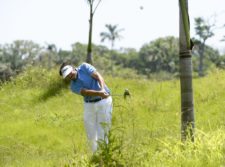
185 45
203 31
92 11
112 34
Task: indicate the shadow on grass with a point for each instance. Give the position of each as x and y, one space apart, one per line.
53 89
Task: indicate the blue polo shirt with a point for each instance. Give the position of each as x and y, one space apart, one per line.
84 80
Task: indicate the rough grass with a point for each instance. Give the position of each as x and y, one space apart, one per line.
42 123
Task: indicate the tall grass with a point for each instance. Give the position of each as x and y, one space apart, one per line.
42 124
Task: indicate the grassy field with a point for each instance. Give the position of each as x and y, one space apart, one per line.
41 124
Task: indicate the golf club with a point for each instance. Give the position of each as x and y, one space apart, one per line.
125 94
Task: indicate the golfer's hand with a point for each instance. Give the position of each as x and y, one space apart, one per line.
104 94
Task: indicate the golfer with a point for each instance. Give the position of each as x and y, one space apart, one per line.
86 81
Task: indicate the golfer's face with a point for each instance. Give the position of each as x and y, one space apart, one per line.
72 75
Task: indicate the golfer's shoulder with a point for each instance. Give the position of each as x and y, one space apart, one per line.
87 67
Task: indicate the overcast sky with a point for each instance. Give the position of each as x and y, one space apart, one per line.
64 22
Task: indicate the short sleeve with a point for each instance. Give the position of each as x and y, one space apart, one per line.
88 68
76 88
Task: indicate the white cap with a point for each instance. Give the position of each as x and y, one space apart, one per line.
66 70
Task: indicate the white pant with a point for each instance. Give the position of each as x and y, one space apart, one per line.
96 115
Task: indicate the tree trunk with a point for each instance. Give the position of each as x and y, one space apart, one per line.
89 48
201 57
187 105
111 53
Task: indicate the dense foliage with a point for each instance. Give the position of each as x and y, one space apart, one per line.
158 56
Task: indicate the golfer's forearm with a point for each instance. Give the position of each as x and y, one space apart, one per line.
101 81
99 78
88 92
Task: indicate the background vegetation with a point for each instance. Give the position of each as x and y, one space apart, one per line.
42 123
159 58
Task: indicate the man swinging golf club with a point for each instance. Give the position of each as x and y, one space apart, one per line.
87 82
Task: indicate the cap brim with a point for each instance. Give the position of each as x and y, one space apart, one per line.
67 71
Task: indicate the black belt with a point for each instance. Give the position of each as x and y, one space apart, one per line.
93 101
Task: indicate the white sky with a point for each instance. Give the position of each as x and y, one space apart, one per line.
64 22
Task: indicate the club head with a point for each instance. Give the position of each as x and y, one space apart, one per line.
126 93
